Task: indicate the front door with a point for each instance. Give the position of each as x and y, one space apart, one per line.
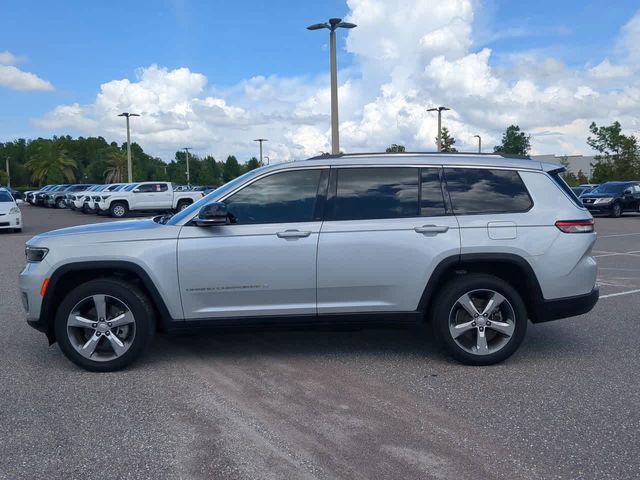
385 231
264 262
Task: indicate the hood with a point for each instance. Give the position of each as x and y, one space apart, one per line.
599 195
6 206
123 230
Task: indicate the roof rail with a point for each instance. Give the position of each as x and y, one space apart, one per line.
361 154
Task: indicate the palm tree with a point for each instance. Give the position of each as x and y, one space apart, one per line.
116 165
48 163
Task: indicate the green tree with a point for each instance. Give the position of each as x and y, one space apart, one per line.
447 142
252 164
231 169
582 178
395 148
116 166
514 142
3 177
618 155
51 165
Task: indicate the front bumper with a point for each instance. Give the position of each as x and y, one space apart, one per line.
566 307
11 220
598 207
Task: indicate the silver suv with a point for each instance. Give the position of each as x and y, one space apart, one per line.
476 245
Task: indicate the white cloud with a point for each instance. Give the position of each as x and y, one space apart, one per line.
409 55
605 70
8 58
16 79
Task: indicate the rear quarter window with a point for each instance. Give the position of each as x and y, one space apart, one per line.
557 177
481 190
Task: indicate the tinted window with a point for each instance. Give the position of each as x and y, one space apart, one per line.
431 198
476 190
5 197
367 193
280 198
146 188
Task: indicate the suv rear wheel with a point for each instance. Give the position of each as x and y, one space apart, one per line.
104 325
480 319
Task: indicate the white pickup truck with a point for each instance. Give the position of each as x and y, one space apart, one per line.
144 196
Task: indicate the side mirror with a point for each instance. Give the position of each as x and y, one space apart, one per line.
136 190
212 214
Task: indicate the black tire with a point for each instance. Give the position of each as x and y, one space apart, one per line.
17 230
182 204
118 210
447 300
132 297
616 210
60 203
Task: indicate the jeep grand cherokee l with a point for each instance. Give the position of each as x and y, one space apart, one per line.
477 245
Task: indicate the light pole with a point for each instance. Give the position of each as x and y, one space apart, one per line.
129 164
186 149
260 140
267 157
439 110
334 23
8 172
479 143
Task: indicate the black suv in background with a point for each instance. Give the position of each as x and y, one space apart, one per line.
613 198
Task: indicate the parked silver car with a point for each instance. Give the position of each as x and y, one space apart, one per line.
478 245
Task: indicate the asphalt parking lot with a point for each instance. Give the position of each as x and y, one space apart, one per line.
324 404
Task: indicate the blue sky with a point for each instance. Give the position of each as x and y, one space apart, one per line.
78 46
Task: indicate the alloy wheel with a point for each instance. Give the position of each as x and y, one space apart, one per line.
482 322
101 328
118 211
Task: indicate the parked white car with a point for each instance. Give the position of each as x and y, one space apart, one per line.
144 196
10 214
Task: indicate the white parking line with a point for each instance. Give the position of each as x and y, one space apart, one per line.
620 293
618 235
632 253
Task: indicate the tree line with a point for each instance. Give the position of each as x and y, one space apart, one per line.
618 156
33 163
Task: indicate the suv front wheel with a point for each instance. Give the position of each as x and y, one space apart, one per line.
104 325
480 319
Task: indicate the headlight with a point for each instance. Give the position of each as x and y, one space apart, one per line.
35 254
14 210
105 197
604 200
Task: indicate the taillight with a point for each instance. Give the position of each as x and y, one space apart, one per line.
575 226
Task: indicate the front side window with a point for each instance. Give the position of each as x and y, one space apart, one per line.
284 197
380 192
478 190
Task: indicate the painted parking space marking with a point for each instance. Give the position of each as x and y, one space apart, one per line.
628 292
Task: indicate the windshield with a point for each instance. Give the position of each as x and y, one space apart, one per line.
128 188
5 197
111 188
610 188
189 211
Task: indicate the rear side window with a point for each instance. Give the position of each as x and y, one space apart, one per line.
431 198
563 185
478 190
369 193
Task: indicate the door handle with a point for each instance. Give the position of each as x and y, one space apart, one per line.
432 229
293 234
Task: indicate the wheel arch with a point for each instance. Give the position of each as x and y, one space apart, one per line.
512 268
69 276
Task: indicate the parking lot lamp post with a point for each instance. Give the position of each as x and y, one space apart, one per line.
439 110
479 143
129 164
186 149
332 25
8 172
260 140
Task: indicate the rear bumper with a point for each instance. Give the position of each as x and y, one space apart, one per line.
566 307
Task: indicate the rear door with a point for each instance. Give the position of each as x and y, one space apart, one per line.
385 230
